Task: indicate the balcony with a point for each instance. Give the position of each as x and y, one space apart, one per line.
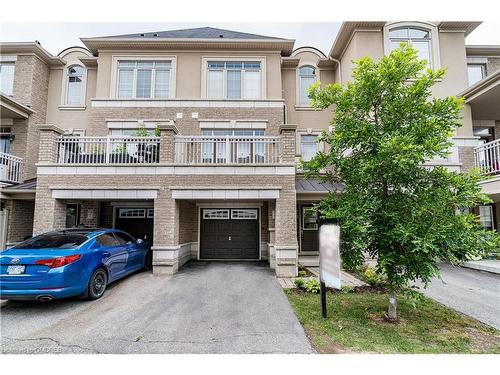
191 150
108 150
487 157
183 150
11 169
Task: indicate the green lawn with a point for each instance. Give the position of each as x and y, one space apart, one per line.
355 324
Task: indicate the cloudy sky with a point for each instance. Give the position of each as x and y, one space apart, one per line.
57 36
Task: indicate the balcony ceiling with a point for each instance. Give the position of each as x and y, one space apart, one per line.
484 98
12 109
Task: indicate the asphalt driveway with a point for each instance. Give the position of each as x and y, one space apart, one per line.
208 307
471 292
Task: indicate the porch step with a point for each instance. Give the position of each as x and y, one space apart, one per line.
309 260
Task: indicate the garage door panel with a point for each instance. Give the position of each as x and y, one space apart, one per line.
229 238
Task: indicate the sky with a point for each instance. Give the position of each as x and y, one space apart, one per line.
55 37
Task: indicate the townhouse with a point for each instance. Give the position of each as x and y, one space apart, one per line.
189 139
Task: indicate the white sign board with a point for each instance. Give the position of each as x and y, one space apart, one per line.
329 254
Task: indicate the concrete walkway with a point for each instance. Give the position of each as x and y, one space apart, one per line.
488 265
207 307
470 292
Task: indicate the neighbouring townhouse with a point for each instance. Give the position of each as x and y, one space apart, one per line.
189 139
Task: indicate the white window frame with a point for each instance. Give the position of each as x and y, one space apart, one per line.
204 75
137 213
489 209
13 64
220 214
435 62
304 208
298 83
483 71
163 58
308 131
64 97
251 214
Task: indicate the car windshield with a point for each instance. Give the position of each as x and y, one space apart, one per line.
53 241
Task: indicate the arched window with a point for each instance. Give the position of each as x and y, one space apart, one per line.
418 37
74 88
307 76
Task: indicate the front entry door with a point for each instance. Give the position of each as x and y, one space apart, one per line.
308 229
229 234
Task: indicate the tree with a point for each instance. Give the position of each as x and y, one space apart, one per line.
386 125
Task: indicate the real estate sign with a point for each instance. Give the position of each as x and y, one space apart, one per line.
329 253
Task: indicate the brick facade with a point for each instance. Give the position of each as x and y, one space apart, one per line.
20 221
466 156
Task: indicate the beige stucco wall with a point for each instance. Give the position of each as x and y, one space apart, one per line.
305 118
66 118
189 70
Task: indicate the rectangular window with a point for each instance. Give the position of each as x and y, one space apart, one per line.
234 80
144 79
72 215
308 146
309 218
244 152
132 213
476 72
5 138
7 78
244 214
215 214
486 217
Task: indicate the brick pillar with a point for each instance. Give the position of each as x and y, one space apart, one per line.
47 151
50 213
167 142
166 234
286 245
287 132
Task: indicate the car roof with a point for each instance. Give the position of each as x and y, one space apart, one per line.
89 232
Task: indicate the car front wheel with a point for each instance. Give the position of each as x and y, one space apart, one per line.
97 284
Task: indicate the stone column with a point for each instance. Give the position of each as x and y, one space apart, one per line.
286 246
167 142
166 234
47 151
287 132
50 213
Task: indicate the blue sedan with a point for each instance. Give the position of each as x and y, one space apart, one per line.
71 262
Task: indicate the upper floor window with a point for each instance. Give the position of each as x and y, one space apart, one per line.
5 139
234 79
419 38
476 72
144 79
7 77
74 88
308 146
307 76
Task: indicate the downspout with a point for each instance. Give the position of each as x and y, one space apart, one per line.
338 63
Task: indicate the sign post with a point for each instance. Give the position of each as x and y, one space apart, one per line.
329 258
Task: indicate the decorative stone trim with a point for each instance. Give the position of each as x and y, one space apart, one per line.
225 194
103 194
162 103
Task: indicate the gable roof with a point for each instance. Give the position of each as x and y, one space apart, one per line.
194 33
197 38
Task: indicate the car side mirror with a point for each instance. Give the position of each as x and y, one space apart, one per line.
139 241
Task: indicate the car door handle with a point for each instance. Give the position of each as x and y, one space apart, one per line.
106 254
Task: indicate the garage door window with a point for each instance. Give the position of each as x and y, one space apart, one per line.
132 213
215 214
244 214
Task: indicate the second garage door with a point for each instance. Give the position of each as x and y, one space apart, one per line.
229 234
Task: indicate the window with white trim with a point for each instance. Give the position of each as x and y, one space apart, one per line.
307 76
132 213
309 218
308 146
244 214
244 151
476 72
74 85
7 77
5 139
144 79
234 79
215 214
486 217
418 37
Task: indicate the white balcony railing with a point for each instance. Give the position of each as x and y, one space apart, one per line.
227 150
108 150
11 168
487 157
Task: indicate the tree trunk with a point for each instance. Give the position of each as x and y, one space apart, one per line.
392 313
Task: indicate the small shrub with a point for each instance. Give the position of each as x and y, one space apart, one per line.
372 277
312 286
302 273
347 289
299 283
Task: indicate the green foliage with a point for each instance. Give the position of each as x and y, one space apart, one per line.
372 277
385 127
299 283
120 149
312 286
157 131
302 273
141 130
347 289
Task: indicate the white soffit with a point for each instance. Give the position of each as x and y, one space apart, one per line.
103 194
225 194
